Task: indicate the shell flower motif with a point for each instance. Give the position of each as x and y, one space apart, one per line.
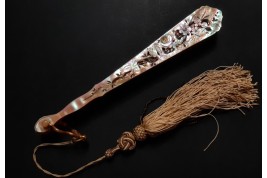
182 32
200 26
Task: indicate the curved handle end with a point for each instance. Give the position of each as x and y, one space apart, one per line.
43 124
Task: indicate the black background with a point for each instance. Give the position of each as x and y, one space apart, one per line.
57 50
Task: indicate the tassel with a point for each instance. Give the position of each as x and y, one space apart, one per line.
222 88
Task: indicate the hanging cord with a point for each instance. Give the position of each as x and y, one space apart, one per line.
62 144
126 142
76 137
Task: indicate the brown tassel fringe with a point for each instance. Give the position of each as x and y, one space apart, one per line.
222 88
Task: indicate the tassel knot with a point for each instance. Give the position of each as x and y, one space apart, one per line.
127 141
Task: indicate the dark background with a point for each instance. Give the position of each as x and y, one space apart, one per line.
57 50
